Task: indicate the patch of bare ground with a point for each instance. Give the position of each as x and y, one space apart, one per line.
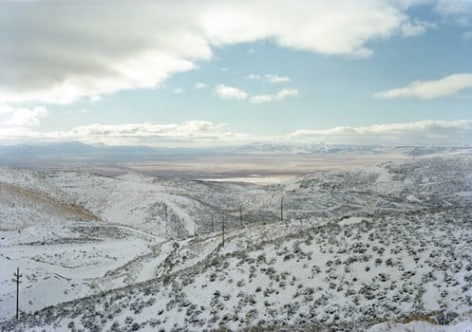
424 317
49 204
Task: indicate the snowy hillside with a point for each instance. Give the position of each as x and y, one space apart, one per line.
26 199
387 244
346 275
174 207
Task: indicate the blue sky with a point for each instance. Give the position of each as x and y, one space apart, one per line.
186 73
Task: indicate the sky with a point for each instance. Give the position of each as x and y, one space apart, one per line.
212 73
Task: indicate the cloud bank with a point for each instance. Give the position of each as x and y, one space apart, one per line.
429 132
189 133
207 133
57 52
448 86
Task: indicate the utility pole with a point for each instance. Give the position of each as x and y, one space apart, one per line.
223 230
165 217
282 209
17 276
241 216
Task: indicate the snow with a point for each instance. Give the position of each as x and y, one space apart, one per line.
420 326
379 248
256 179
59 264
351 221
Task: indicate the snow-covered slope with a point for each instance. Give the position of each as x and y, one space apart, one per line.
26 200
330 276
63 262
179 207
406 186
388 243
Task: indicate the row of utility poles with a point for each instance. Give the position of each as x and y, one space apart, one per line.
223 220
240 219
17 276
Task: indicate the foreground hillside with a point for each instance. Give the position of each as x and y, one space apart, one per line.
380 245
347 275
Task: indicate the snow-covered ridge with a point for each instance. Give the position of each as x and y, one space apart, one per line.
376 245
175 207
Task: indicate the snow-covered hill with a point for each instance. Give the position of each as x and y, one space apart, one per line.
344 275
377 245
174 207
26 200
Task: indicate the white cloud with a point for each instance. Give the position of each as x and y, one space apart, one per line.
200 85
189 129
177 90
146 71
285 93
262 99
416 28
20 116
229 92
267 98
447 86
421 132
334 27
206 133
96 49
277 79
271 78
254 77
190 133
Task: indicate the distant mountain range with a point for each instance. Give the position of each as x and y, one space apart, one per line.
335 148
18 155
68 152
